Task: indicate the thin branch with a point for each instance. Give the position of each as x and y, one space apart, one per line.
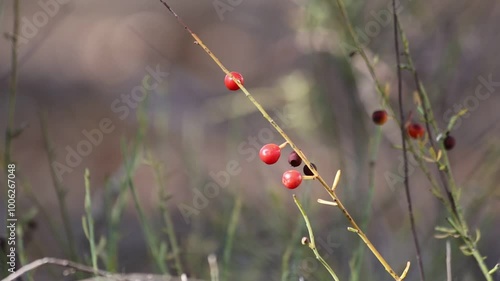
306 161
403 140
428 116
59 262
458 222
59 188
448 261
311 243
9 132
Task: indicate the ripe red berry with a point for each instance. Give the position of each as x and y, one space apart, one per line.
415 130
291 179
308 171
270 153
449 142
294 159
379 117
230 84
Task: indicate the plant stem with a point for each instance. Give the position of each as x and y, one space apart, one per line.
357 260
403 140
287 255
59 188
63 263
13 84
446 174
312 244
306 161
163 206
89 220
231 230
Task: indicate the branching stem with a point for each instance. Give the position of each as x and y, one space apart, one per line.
403 140
264 113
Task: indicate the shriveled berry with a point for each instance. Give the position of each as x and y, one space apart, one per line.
291 179
230 83
308 171
379 117
270 153
294 159
416 130
449 142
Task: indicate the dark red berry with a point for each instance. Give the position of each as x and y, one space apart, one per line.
230 84
449 142
308 171
270 153
294 159
291 179
415 130
379 117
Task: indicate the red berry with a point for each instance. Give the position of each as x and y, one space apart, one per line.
291 179
415 130
230 84
294 159
270 153
308 171
449 142
379 117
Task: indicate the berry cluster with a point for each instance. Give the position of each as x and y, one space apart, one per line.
271 153
414 130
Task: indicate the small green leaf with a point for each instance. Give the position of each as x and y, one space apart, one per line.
455 117
445 229
478 235
441 236
420 110
352 229
85 227
101 245
465 250
494 269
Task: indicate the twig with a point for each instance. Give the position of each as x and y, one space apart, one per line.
88 220
458 222
311 242
306 161
59 188
163 206
231 230
357 260
9 132
59 262
429 120
403 140
285 260
448 261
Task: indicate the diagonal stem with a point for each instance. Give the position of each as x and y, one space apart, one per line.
403 140
273 123
445 175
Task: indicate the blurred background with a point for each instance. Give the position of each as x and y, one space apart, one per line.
83 66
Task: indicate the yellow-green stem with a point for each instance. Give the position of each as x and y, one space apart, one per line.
264 113
312 244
